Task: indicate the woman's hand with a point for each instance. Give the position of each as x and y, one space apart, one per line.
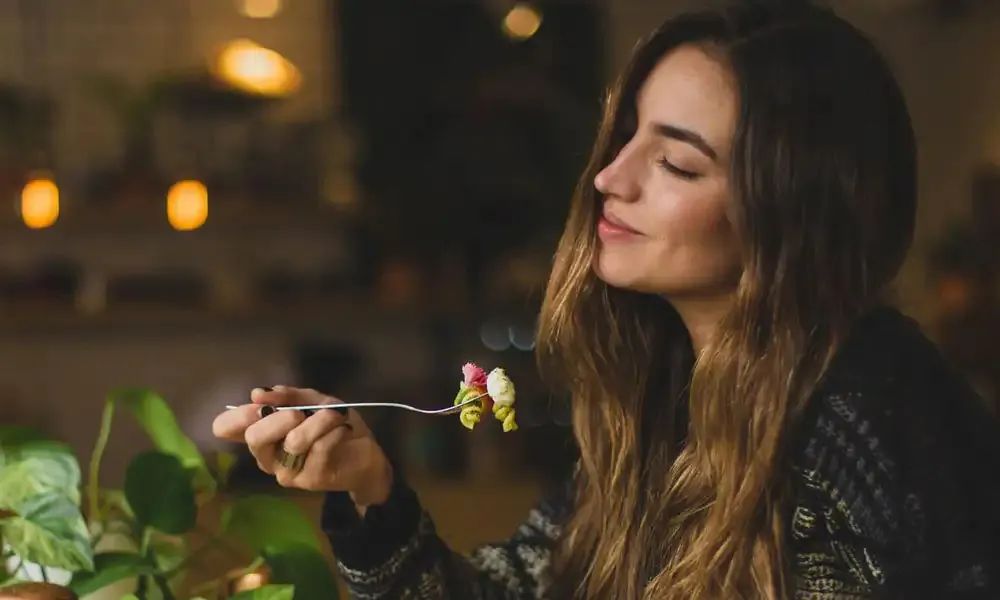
339 450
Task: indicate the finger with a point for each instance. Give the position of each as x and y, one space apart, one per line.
275 396
318 472
301 439
281 395
263 436
352 417
232 424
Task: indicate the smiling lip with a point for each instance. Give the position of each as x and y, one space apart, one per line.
610 227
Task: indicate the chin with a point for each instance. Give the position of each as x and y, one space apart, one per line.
618 272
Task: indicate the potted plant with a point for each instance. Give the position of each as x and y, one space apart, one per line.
141 540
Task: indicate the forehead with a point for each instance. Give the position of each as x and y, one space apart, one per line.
692 89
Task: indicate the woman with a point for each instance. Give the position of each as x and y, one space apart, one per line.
752 423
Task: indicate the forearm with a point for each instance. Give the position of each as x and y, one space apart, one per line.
394 552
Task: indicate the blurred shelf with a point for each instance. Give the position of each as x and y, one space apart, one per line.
353 311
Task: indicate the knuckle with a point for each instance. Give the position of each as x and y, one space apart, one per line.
295 442
328 418
252 437
357 421
285 479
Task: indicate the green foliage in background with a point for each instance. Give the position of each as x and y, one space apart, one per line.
41 521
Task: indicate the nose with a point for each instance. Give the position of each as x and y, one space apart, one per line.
617 179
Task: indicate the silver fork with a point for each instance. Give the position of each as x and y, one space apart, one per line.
450 410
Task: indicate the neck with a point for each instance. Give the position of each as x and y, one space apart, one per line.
701 317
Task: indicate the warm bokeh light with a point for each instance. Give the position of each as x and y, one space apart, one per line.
250 67
240 580
187 205
250 581
260 9
40 203
522 21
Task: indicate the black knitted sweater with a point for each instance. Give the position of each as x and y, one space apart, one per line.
896 479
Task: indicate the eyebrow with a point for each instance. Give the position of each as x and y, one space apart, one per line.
685 135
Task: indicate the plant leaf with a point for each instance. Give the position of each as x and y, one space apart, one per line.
224 463
268 592
160 494
159 423
51 466
303 567
266 523
36 467
109 567
48 529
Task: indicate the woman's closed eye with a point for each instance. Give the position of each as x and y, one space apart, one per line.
675 170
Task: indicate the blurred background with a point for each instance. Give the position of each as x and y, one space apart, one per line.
204 196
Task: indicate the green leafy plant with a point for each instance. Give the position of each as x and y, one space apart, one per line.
40 520
153 519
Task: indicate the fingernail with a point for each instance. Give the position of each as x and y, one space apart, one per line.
266 410
260 390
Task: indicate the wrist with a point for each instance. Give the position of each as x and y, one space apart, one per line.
376 491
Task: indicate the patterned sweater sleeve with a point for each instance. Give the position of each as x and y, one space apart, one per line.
395 553
889 504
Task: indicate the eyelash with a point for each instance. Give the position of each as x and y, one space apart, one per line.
669 166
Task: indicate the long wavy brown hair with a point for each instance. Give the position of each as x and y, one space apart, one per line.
682 478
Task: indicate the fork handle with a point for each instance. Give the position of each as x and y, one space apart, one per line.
267 409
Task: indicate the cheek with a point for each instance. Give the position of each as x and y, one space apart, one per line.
696 247
688 221
703 226
690 247
695 234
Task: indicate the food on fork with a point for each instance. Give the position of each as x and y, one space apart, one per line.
495 392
